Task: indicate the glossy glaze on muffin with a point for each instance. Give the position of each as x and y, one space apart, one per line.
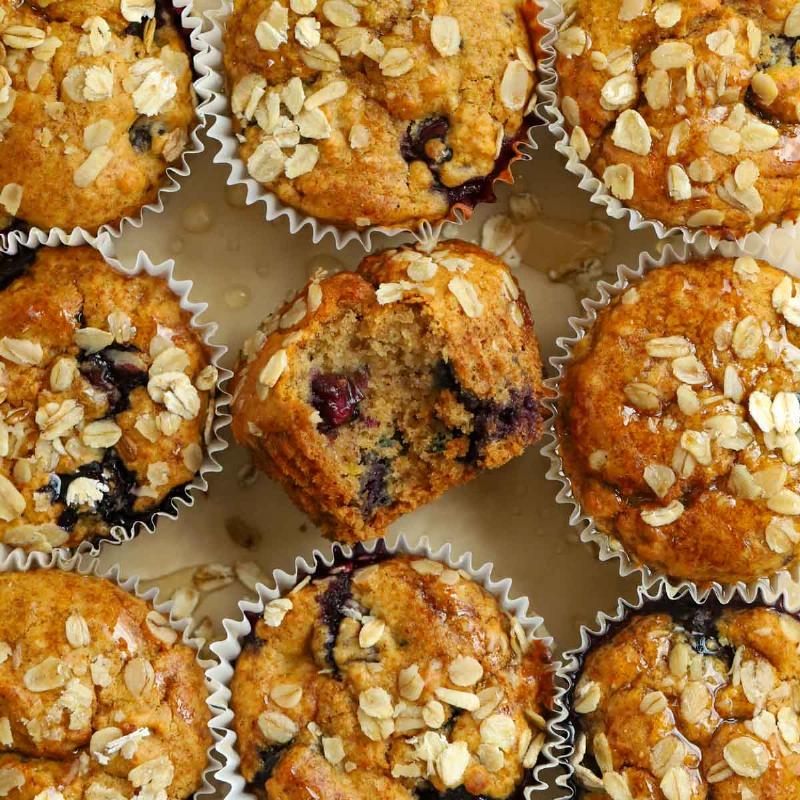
688 112
379 112
397 679
373 392
105 393
679 418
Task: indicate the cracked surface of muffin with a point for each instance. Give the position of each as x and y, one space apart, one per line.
398 679
98 698
679 419
379 112
95 102
685 701
687 111
105 390
373 392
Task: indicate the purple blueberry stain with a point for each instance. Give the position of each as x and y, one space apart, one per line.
332 603
114 374
336 397
373 489
16 265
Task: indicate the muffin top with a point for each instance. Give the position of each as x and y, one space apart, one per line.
389 680
378 112
98 699
95 102
687 111
104 392
692 702
679 420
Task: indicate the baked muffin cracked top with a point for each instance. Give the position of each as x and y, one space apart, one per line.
687 111
98 699
105 388
400 679
378 112
679 417
373 392
95 102
683 703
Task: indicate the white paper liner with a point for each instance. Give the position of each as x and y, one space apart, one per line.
192 24
228 649
218 415
19 561
609 548
215 106
573 659
551 17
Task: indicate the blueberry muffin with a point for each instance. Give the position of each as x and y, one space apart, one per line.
679 419
379 112
105 388
682 702
96 102
98 698
373 392
395 679
688 112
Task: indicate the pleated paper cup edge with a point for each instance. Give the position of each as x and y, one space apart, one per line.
214 442
228 649
174 175
88 565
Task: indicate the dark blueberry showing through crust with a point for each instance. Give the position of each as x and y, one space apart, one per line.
331 603
107 372
421 138
13 266
784 50
139 135
336 397
373 490
269 760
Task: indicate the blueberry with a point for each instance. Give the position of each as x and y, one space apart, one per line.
331 603
13 266
373 490
425 140
139 135
116 378
336 397
269 760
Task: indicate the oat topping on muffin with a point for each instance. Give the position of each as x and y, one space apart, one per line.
398 679
686 702
373 392
687 111
680 417
105 388
99 698
378 112
95 102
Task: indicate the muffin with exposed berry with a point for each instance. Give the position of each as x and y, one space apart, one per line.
100 699
379 112
679 420
683 702
96 101
688 112
105 391
394 678
373 392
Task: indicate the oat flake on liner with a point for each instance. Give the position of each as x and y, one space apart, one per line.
212 89
191 24
19 561
608 548
573 659
218 416
551 18
228 649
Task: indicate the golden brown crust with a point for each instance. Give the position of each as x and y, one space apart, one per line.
684 463
445 393
687 111
663 720
87 133
84 663
305 691
105 390
399 127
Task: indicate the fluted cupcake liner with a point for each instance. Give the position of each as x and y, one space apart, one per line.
192 25
229 649
216 106
218 416
609 548
82 564
569 672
